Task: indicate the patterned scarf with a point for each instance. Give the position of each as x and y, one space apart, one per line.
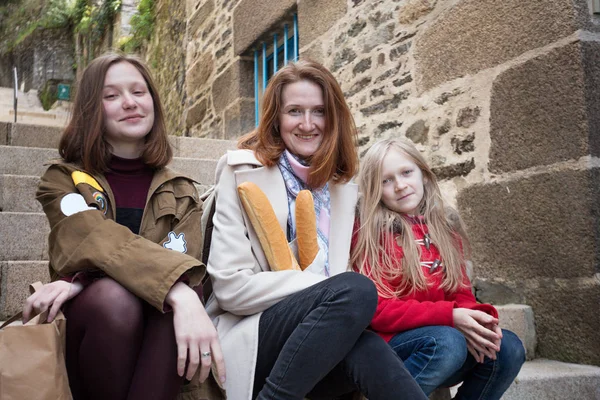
295 175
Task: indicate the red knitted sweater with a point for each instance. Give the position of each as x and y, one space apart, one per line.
422 308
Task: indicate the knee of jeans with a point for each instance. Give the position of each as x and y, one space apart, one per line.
512 351
450 348
360 293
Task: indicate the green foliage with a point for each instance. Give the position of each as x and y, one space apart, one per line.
94 22
19 20
49 94
142 27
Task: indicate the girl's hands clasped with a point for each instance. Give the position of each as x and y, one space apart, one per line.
480 330
51 296
196 336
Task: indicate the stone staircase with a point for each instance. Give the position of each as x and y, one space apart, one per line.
23 252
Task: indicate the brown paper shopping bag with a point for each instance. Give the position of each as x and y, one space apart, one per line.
32 359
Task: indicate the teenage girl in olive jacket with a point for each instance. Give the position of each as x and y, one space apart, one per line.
124 244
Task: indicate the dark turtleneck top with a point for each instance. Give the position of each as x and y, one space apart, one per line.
130 181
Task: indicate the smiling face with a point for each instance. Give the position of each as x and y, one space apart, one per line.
128 109
402 182
302 118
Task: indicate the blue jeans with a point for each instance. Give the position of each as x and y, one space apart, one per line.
314 344
438 356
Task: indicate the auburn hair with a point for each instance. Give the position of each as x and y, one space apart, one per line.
83 141
336 159
379 226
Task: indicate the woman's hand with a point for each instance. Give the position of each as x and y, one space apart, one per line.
195 334
52 295
481 340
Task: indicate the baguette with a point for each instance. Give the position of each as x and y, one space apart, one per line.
262 217
306 229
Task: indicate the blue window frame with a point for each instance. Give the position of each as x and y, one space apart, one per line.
269 57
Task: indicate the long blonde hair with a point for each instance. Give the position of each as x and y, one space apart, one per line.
376 231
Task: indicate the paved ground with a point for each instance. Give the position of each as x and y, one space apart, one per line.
29 109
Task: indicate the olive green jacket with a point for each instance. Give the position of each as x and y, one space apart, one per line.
85 237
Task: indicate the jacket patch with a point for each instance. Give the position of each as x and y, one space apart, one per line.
81 177
101 201
176 242
73 203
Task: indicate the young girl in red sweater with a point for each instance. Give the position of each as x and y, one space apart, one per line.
411 246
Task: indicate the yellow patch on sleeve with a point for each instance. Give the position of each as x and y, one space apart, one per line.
81 177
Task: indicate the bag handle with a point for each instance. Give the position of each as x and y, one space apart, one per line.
34 287
12 319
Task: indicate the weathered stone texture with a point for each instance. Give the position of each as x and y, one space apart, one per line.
15 278
414 9
418 131
479 34
467 116
199 74
196 113
546 110
167 59
252 18
239 118
541 226
462 144
4 132
235 82
317 17
201 14
454 170
567 321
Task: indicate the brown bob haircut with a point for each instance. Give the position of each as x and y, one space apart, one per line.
336 159
83 140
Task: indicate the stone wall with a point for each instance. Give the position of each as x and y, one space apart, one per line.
503 98
52 57
166 57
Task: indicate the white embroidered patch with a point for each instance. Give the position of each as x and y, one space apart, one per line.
74 203
176 242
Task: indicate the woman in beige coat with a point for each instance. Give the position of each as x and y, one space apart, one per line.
295 334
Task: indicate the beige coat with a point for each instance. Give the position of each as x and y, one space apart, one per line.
242 281
92 240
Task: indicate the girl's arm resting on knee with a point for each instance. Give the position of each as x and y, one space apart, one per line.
232 264
87 239
195 334
478 329
464 298
51 296
397 315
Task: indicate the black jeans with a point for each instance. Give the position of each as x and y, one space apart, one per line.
314 344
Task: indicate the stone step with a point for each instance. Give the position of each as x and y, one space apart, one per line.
38 136
210 149
15 278
17 193
554 380
201 170
27 135
23 236
519 319
18 160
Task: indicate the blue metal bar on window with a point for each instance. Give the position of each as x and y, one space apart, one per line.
255 87
295 37
274 53
264 67
285 44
